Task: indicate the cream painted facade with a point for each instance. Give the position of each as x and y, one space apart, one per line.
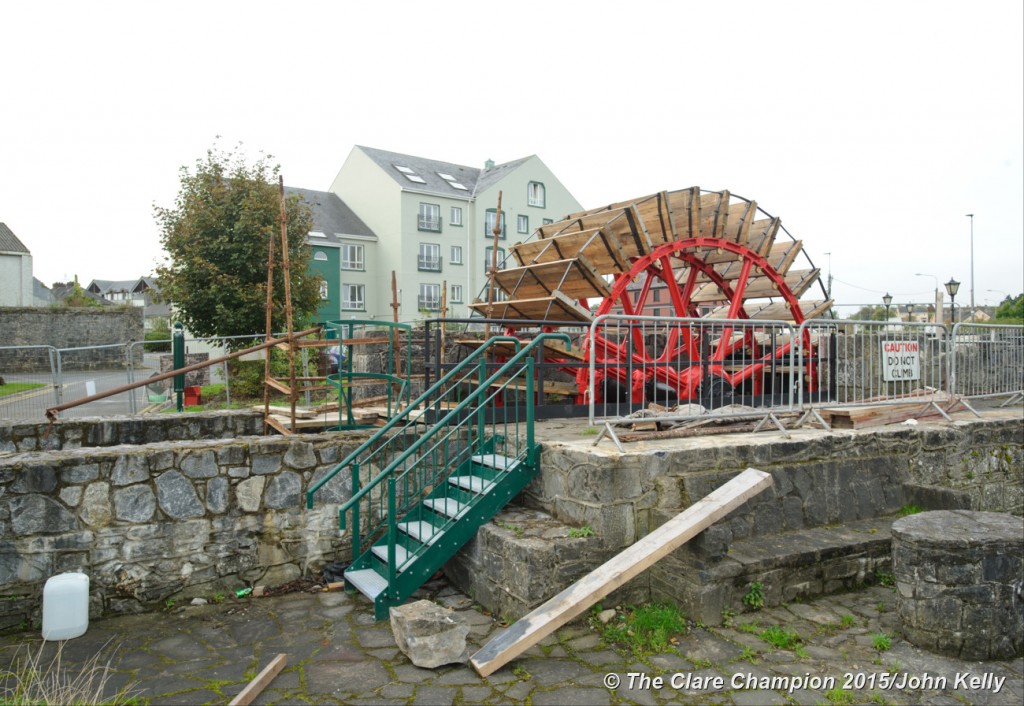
16 279
420 250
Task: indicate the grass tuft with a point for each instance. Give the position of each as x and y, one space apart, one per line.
35 680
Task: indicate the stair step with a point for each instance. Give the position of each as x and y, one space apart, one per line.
368 582
420 531
401 554
474 484
447 506
502 463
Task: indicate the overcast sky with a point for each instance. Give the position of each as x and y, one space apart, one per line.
870 128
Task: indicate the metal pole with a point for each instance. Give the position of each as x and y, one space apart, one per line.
971 216
178 352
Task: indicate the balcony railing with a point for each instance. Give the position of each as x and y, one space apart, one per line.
429 263
431 223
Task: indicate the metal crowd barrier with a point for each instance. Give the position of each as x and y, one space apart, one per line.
688 367
987 361
879 362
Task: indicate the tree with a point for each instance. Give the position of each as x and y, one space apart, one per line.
868 313
1011 311
217 237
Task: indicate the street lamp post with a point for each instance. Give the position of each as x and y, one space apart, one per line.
910 313
971 216
952 286
887 300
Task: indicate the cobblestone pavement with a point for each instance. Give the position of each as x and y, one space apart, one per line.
337 654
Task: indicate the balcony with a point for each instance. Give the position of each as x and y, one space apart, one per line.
429 223
428 263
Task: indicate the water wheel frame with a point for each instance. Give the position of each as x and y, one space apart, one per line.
714 254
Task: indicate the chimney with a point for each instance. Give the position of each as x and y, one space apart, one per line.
489 164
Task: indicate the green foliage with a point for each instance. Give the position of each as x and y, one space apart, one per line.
840 697
885 578
644 629
881 641
910 509
869 313
247 375
848 621
783 638
1011 311
161 333
78 298
755 596
584 531
217 237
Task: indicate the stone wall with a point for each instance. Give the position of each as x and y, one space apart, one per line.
74 433
172 519
822 527
64 328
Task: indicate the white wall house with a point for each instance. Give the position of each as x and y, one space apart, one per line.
433 224
15 270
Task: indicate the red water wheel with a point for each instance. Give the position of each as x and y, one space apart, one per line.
685 253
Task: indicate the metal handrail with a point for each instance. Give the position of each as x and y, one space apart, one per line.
399 418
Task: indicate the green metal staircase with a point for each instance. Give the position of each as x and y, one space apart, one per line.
438 471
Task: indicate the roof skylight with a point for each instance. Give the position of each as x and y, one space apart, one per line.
413 177
404 170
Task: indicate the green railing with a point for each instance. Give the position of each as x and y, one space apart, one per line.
390 378
382 448
474 411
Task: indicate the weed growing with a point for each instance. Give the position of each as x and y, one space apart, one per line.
644 629
36 680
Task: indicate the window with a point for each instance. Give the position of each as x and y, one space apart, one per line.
522 224
352 257
456 216
430 217
323 290
546 221
457 293
352 297
456 258
489 223
451 181
430 257
316 234
487 258
410 174
535 194
430 297
320 256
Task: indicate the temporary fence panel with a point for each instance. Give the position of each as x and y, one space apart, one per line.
688 367
876 362
29 384
988 360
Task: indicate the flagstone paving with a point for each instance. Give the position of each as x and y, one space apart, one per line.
337 654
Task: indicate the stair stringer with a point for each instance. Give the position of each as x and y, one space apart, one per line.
453 537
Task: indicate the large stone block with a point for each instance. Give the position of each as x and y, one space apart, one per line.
177 496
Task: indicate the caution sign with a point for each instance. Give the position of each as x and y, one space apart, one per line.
901 361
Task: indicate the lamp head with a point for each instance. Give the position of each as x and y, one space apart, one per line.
887 299
952 286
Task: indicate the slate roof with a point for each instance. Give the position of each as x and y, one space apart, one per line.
429 170
9 241
331 216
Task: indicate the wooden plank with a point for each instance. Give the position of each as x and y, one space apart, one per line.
556 307
577 598
257 685
573 278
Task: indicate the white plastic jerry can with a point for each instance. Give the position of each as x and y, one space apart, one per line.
65 606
